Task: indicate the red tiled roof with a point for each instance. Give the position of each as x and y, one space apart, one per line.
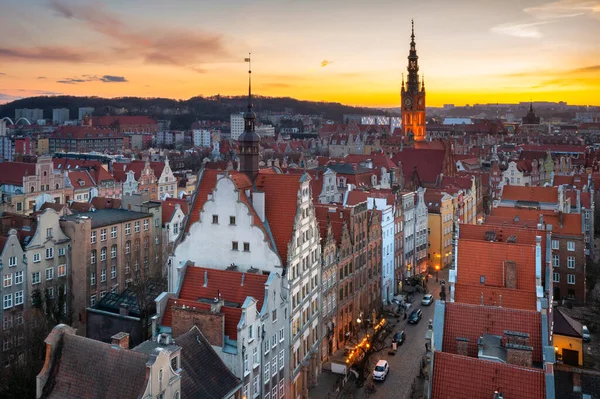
571 223
120 170
462 377
281 198
81 206
482 258
224 282
554 148
106 203
532 193
85 132
429 163
379 160
100 175
68 163
158 168
325 212
206 184
182 203
81 179
492 296
13 172
470 321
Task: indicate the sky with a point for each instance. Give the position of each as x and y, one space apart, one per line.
348 51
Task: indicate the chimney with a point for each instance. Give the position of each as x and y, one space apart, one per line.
510 270
215 307
578 201
243 278
518 351
205 278
462 346
561 218
121 340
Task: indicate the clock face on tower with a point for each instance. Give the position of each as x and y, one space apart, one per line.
408 102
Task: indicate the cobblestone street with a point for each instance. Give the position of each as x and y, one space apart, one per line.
404 366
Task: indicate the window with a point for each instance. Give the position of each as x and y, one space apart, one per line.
8 301
102 294
49 273
246 366
19 206
571 278
18 277
571 262
7 280
113 232
250 333
266 396
36 258
93 256
215 219
234 245
232 220
146 225
255 386
274 366
246 390
8 321
281 389
137 226
19 318
113 271
113 251
93 278
246 247
103 235
18 298
281 336
127 267
571 246
127 229
555 261
62 270
35 278
554 244
12 261
103 254
556 277
102 275
92 300
274 341
93 237
128 247
274 392
281 359
267 371
255 359
267 346
61 252
49 253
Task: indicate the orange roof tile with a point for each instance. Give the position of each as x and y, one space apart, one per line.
281 198
493 296
532 193
206 184
471 321
462 377
571 222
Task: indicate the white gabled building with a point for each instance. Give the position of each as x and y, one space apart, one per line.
261 222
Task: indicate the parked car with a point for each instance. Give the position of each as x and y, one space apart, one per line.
399 337
586 334
427 300
415 316
382 368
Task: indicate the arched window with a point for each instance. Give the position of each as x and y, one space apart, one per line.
44 173
57 186
32 189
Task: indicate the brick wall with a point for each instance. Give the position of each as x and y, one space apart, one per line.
210 324
462 346
510 270
518 355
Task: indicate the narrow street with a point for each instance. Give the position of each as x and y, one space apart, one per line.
404 366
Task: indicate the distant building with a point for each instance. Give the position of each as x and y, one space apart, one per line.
127 124
60 116
6 145
86 139
265 131
83 111
32 115
202 137
237 125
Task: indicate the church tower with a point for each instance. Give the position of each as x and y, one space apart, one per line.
413 97
249 141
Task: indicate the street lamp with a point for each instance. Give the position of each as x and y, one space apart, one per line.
437 269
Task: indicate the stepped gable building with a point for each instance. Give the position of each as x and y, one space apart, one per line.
413 97
261 222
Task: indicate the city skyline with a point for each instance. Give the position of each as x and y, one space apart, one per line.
485 53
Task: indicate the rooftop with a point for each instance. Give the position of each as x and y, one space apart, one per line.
107 217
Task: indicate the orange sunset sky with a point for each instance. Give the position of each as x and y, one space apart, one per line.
348 51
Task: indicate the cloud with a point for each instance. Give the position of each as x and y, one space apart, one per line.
178 47
63 54
2 74
41 77
547 14
93 78
324 63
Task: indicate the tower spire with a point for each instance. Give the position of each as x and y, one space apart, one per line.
412 36
249 82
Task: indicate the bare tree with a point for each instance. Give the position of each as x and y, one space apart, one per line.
146 289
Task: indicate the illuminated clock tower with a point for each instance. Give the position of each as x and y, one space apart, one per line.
413 97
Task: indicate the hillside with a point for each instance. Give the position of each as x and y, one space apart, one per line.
183 112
